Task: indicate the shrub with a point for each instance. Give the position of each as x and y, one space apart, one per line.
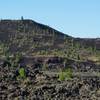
65 75
61 76
68 73
22 73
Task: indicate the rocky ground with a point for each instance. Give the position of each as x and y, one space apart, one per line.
40 86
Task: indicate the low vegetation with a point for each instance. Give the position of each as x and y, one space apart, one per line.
65 74
22 73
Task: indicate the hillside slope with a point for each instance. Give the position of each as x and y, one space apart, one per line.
32 38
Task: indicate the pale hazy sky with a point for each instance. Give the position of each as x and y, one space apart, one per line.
78 18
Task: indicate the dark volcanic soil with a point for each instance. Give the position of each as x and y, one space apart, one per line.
40 86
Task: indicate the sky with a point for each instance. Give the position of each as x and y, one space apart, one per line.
78 18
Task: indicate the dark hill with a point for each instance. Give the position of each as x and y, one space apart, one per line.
31 38
27 33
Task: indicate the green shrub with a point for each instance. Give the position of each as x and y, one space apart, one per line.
22 73
65 75
68 73
61 76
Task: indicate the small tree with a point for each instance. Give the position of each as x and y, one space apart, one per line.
68 73
22 18
22 73
65 75
78 57
61 76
